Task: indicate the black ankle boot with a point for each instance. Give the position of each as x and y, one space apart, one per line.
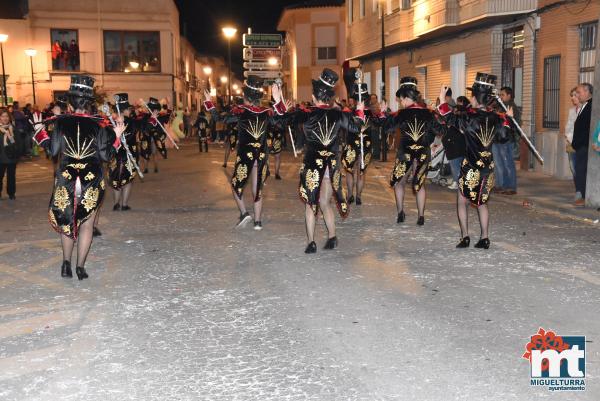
358 201
65 269
483 243
464 242
401 217
116 207
351 200
96 232
81 273
311 248
331 243
421 221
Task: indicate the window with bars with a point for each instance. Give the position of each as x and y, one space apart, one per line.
551 92
587 51
513 50
326 53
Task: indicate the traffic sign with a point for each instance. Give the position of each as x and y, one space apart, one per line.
260 53
261 65
264 74
262 39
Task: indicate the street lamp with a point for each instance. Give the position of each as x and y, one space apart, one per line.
3 38
272 61
229 33
31 53
207 70
235 87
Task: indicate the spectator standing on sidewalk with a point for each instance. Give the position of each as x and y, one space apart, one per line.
8 154
503 150
22 129
573 111
581 138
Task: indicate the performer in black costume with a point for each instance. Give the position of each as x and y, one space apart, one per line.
152 135
481 126
351 159
418 128
201 125
275 143
83 143
232 135
320 174
253 123
122 170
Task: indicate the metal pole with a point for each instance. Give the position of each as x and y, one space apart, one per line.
32 80
592 188
229 71
382 52
3 74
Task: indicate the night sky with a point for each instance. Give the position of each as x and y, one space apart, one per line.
203 20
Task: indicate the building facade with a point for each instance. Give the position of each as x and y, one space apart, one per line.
566 50
138 50
315 39
449 41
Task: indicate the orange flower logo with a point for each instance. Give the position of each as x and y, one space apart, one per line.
542 341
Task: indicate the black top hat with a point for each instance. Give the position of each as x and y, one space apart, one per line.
323 88
484 82
364 91
153 104
82 86
253 88
328 78
408 81
122 101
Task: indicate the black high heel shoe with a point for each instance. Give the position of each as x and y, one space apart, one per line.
421 221
331 243
401 217
464 242
351 200
65 269
358 201
311 248
81 273
483 243
96 232
116 207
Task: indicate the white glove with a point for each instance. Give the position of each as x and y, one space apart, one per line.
37 123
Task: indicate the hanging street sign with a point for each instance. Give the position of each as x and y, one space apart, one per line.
261 65
258 53
264 74
262 39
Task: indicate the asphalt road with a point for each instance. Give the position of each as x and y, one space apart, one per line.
180 306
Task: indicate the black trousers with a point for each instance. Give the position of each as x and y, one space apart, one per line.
581 162
11 178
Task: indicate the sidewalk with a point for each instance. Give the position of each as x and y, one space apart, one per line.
548 195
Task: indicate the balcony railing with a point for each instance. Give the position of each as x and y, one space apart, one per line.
84 62
425 17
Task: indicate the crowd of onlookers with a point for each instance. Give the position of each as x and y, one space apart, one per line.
16 139
577 134
65 56
15 142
